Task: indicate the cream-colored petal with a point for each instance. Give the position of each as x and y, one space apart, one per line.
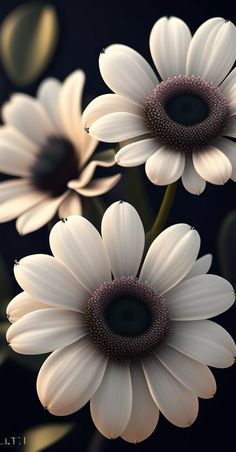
230 130
177 403
137 153
228 86
228 148
112 403
45 330
87 173
17 155
145 414
48 95
200 266
12 188
192 374
165 166
27 115
19 204
170 257
212 50
97 187
200 297
123 236
204 341
45 278
212 165
119 126
22 304
39 215
124 75
79 246
140 60
191 180
105 104
169 43
69 377
70 206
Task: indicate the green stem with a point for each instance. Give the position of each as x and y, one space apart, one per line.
164 210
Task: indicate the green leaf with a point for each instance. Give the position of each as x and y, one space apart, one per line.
227 248
28 39
39 438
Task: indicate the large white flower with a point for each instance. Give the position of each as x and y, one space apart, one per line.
134 343
43 142
178 124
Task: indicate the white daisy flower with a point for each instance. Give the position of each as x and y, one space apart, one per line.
134 343
43 143
179 124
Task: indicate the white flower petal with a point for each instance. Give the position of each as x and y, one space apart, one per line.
145 414
105 104
123 236
170 257
119 126
176 402
229 149
70 206
204 341
22 304
200 297
212 50
165 166
140 60
27 115
69 377
39 215
16 154
201 266
45 278
12 188
125 76
96 187
137 153
70 99
229 83
88 172
192 374
169 43
45 330
48 95
212 165
19 204
16 140
192 182
79 246
112 403
230 130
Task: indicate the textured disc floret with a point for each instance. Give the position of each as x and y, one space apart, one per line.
186 113
56 165
126 318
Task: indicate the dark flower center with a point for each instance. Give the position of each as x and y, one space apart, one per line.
126 318
57 163
186 113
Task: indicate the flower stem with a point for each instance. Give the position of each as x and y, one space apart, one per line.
164 210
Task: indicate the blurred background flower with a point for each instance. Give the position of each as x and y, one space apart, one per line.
52 39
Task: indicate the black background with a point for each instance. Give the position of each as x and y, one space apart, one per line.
86 28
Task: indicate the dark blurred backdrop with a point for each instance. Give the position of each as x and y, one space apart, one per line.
85 28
